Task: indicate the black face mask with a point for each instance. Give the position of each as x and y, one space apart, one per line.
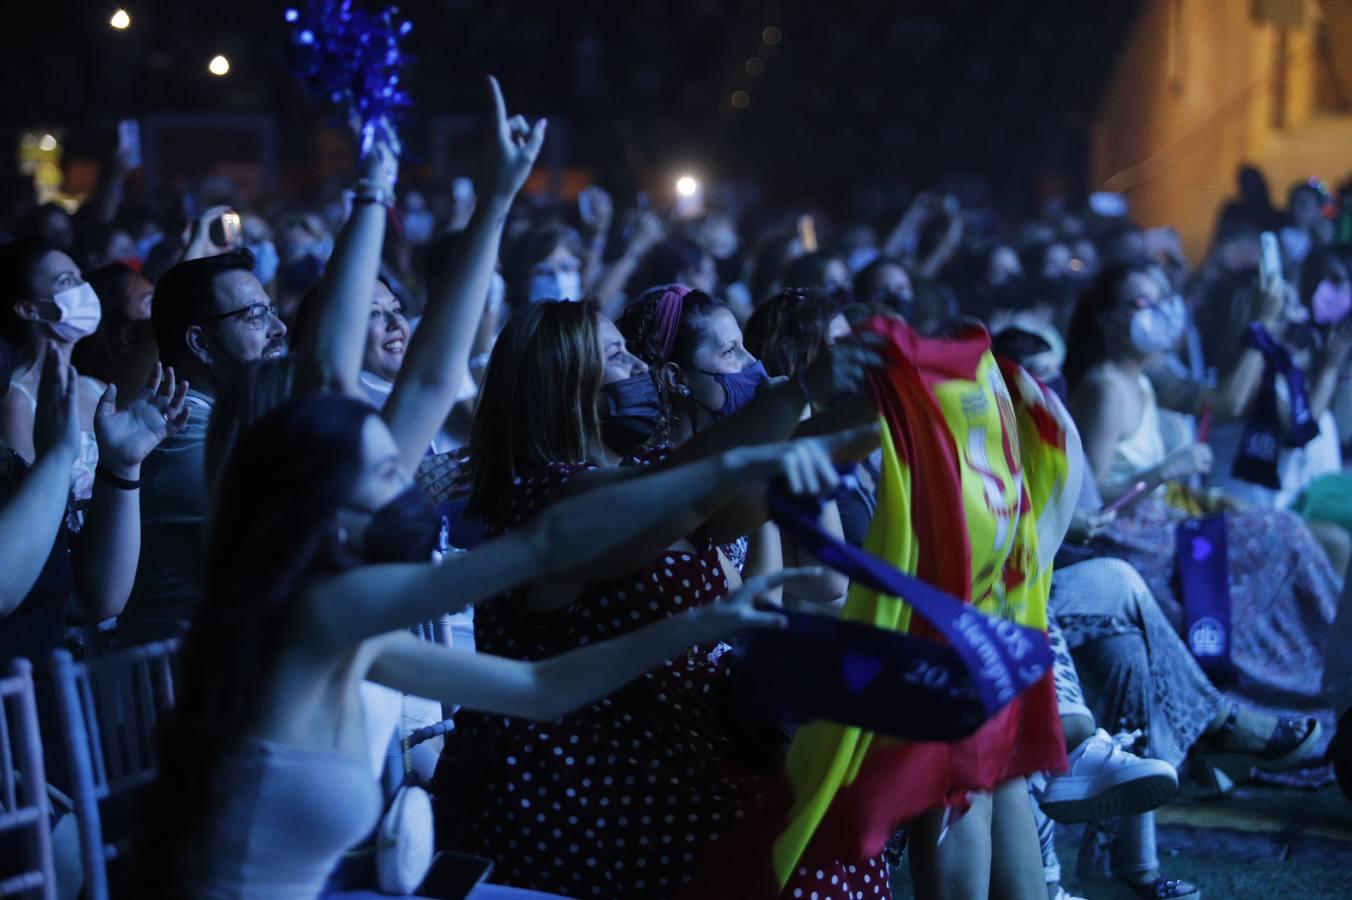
407 529
629 412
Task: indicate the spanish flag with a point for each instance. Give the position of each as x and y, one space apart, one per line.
979 480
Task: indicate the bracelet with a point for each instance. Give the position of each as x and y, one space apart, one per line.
368 190
375 195
116 481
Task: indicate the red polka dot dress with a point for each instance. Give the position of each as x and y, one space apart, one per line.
623 798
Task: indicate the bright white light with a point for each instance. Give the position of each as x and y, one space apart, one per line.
120 20
47 143
219 65
686 186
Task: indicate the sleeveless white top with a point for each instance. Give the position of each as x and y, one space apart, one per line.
1144 449
87 460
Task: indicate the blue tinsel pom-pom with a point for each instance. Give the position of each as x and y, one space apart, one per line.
352 57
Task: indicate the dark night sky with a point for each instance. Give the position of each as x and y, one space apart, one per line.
855 92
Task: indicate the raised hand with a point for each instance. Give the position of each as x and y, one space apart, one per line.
1187 461
842 370
378 169
1339 345
649 230
806 465
752 605
197 235
514 147
56 423
597 209
127 436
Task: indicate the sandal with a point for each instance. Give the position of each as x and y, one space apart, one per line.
1159 889
1288 746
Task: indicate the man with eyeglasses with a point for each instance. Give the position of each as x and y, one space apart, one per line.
211 317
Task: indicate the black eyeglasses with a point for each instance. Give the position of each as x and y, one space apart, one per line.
255 315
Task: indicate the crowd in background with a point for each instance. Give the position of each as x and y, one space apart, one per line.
261 424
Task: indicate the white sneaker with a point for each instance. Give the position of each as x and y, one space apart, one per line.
1063 894
1104 780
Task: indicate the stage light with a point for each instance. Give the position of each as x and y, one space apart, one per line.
686 186
120 20
218 66
47 143
740 100
771 35
754 66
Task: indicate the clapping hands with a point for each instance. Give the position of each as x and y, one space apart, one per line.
127 436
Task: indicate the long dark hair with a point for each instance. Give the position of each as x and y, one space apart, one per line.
18 260
639 325
788 331
1086 341
538 403
271 530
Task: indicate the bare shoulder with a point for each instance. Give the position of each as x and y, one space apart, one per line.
16 422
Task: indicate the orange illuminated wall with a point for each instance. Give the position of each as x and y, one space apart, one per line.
1203 86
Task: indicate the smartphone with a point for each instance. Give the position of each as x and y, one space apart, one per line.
1269 261
129 142
224 231
1136 490
807 233
584 205
455 874
641 201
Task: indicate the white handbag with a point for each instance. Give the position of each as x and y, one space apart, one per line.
404 841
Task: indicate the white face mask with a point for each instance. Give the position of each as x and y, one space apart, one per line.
556 286
1157 329
81 313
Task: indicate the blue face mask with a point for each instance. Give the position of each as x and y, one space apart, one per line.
738 387
266 260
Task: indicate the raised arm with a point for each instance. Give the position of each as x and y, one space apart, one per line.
1230 399
552 687
1328 373
110 542
438 356
32 517
602 532
331 349
609 289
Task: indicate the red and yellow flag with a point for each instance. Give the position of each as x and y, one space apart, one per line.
974 499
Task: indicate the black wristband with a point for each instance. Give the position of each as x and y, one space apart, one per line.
116 481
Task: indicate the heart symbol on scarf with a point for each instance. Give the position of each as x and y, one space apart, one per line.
1201 549
860 670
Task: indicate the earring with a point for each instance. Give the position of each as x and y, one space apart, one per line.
685 391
